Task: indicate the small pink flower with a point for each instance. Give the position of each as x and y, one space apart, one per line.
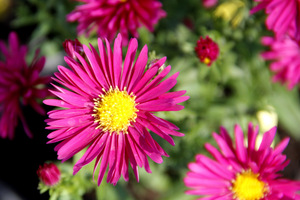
209 3
285 54
20 84
207 50
112 16
108 105
49 174
283 16
239 171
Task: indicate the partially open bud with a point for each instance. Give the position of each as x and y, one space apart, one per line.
207 50
49 174
72 46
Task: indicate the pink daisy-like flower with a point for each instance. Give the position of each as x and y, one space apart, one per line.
20 85
112 16
209 3
283 16
242 172
207 50
109 106
285 54
49 174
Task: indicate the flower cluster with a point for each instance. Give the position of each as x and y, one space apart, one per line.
20 85
242 172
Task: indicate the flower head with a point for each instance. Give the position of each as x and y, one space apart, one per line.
20 85
285 54
207 50
109 106
283 16
242 172
112 16
49 174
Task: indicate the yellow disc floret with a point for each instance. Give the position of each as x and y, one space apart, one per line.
115 110
206 60
247 186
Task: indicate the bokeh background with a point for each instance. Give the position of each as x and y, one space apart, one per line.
236 89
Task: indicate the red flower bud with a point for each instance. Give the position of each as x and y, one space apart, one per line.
49 174
71 47
207 50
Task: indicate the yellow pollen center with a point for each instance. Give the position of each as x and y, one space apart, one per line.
206 60
247 186
122 1
115 110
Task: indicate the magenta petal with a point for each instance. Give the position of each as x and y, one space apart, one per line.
268 138
104 161
239 141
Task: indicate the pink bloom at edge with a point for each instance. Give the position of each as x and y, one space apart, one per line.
109 107
283 16
20 85
209 3
112 16
49 174
285 54
239 171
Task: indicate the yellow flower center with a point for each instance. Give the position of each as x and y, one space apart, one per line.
115 110
123 1
206 60
247 186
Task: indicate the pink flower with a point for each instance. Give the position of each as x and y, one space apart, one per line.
49 174
20 85
109 106
285 54
283 16
239 171
112 16
209 3
207 50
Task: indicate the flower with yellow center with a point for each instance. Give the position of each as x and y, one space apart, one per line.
108 108
115 110
239 170
247 186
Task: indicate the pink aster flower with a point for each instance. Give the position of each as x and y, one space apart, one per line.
283 16
242 172
209 3
20 85
207 50
49 174
109 107
285 54
112 16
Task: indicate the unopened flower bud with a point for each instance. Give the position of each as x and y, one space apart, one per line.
49 174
